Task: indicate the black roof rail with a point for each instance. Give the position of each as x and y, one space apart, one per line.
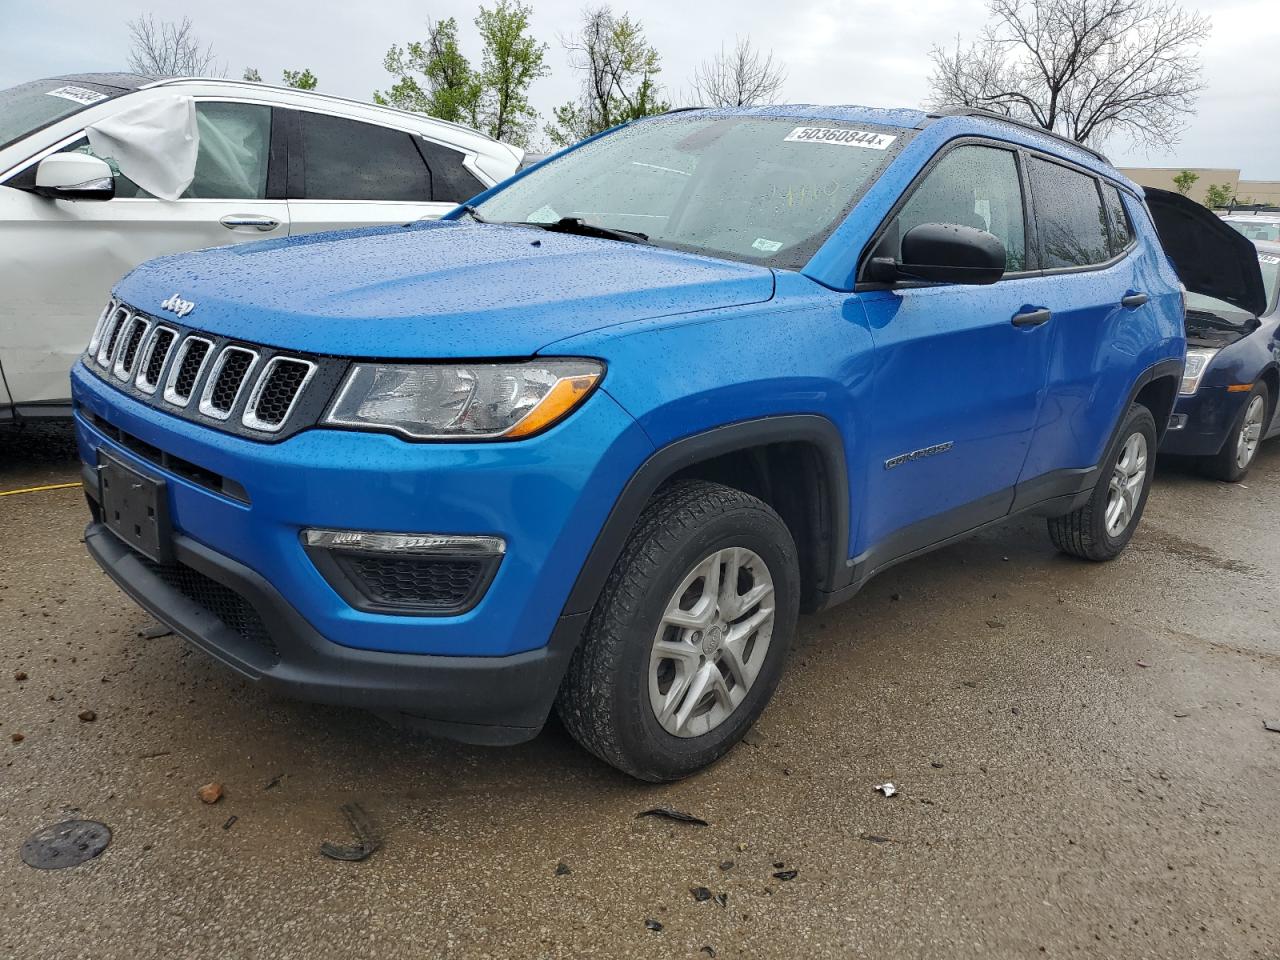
992 115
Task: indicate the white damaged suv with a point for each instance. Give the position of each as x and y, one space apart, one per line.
87 161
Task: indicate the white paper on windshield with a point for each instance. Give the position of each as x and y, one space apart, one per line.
154 144
841 137
1267 258
76 95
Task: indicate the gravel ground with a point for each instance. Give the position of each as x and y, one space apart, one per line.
1079 748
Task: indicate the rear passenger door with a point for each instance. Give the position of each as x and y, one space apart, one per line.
350 173
1102 320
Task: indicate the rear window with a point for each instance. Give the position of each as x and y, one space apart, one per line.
350 160
1118 223
1268 231
1070 216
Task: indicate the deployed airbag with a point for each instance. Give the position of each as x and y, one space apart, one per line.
154 144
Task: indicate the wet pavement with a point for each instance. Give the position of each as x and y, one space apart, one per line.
1079 749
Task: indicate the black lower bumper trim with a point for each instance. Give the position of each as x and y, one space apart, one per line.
492 700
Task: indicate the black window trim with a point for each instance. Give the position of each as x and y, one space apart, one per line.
1098 180
946 148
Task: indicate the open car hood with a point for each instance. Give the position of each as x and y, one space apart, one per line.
1211 258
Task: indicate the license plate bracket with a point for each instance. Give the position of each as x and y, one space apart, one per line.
135 507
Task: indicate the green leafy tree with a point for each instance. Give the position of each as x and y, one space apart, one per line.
619 70
1185 180
511 61
1218 195
252 75
302 79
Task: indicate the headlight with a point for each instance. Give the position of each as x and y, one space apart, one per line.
1198 359
469 401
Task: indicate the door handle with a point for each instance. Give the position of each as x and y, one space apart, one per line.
233 220
1131 301
1032 318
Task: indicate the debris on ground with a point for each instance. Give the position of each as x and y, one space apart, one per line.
785 875
17 738
366 843
87 716
726 864
66 844
1272 725
936 764
723 900
154 631
709 950
210 792
874 838
274 782
701 894
1143 663
562 869
20 675
887 788
995 623
666 813
231 822
654 925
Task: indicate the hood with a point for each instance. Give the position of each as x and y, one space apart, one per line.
1210 257
435 290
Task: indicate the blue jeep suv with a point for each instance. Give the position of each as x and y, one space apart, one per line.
592 443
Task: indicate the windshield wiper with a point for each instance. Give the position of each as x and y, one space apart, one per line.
473 213
1206 319
583 229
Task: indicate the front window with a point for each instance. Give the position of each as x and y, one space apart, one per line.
27 107
759 189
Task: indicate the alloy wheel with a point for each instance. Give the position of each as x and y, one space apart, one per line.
1250 432
712 642
1127 480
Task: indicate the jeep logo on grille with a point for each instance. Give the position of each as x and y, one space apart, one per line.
176 304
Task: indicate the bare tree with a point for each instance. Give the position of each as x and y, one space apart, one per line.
741 77
1084 68
167 48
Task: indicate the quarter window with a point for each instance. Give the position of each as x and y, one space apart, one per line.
1069 215
451 182
972 186
349 160
1117 220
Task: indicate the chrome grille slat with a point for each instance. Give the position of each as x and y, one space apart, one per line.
226 380
154 356
107 313
186 370
130 344
111 335
276 392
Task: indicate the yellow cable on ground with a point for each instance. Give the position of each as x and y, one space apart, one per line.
50 486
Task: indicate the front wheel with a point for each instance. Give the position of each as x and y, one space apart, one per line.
1235 458
688 639
1102 528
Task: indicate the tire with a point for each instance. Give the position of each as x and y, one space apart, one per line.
1092 532
1233 461
613 692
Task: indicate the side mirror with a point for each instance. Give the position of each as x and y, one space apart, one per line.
943 253
74 176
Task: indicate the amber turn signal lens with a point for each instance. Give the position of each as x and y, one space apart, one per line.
562 398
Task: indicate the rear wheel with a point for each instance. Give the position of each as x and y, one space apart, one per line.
688 639
1102 528
1235 458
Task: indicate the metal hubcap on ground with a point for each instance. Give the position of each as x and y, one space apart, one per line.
712 642
1250 433
1127 479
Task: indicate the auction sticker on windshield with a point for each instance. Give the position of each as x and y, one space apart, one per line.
840 136
77 95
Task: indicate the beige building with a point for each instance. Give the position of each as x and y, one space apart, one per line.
1245 191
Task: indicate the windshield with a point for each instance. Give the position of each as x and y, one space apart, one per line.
1270 265
762 190
30 106
1268 230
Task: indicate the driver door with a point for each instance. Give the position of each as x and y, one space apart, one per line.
63 257
960 370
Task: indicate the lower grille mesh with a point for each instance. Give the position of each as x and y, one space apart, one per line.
235 612
426 583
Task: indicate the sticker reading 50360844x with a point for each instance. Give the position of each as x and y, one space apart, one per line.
841 137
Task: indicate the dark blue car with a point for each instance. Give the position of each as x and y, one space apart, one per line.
1227 403
594 441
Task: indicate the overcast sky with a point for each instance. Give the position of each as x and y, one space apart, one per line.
835 51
